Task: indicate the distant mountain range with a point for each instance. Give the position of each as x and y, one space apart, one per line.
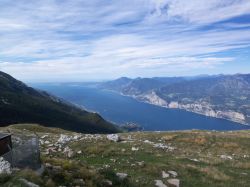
22 104
221 96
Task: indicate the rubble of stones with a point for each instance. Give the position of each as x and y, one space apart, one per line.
60 145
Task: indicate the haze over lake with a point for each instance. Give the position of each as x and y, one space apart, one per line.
122 109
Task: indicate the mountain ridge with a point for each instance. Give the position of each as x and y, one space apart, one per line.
22 104
220 96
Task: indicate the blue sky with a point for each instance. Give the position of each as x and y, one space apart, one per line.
79 40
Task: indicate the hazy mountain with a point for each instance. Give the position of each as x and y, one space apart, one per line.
116 85
139 85
22 104
223 96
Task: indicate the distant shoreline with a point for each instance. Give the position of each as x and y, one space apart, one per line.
134 97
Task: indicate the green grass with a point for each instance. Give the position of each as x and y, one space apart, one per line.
101 159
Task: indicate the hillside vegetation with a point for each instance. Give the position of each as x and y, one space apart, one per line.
22 104
190 158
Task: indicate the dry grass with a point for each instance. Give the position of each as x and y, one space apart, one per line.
214 173
196 158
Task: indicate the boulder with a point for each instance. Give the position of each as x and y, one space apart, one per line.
68 152
113 137
107 182
164 174
174 182
5 166
173 173
226 157
159 183
122 176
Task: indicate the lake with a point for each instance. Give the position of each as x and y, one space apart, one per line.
121 109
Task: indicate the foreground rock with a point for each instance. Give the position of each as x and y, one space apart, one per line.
113 137
122 176
5 166
174 182
173 173
164 174
159 183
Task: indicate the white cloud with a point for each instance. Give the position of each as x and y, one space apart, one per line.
49 39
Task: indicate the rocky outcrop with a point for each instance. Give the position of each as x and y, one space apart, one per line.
5 166
113 137
200 107
152 98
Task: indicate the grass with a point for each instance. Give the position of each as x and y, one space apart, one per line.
196 158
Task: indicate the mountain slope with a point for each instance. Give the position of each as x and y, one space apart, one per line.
116 85
22 104
139 85
222 96
198 158
226 96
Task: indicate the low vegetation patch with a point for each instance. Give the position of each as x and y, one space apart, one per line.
188 158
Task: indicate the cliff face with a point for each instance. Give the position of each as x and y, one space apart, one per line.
207 110
223 96
203 108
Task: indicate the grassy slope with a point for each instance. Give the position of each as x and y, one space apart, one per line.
98 153
22 104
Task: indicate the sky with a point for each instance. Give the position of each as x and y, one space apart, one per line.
89 40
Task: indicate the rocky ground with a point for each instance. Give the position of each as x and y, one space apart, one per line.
199 106
185 158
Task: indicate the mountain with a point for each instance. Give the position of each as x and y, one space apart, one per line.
116 85
221 96
22 104
139 85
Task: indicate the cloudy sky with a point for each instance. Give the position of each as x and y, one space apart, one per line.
82 40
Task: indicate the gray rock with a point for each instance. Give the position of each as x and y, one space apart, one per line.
173 173
122 176
107 182
174 182
68 152
164 174
135 148
113 137
64 139
142 163
159 183
5 166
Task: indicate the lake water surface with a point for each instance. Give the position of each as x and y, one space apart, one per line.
121 109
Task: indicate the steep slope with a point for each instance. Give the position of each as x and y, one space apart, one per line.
116 85
22 104
225 96
222 96
139 85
